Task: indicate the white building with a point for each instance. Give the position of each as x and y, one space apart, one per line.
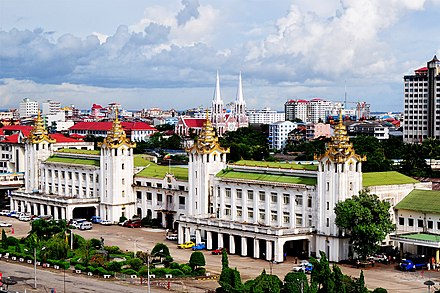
50 107
265 116
279 134
318 110
297 109
28 108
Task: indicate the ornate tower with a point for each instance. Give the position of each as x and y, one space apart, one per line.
206 158
217 115
240 106
339 178
116 174
37 149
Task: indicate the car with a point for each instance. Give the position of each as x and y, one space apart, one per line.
85 226
123 222
186 245
172 237
413 264
304 266
25 218
12 214
106 222
199 246
382 258
4 212
4 224
218 251
133 224
96 219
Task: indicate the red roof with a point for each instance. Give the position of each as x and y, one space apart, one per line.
422 69
61 138
12 138
303 101
105 126
194 122
17 127
96 106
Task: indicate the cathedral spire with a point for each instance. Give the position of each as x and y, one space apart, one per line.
217 96
239 97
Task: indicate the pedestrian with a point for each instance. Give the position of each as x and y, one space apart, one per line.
429 266
285 255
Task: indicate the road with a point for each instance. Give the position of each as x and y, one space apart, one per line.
385 276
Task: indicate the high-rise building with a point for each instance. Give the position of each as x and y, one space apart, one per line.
28 108
422 103
319 109
50 107
296 109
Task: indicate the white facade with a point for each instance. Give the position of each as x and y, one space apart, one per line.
319 109
265 116
279 134
50 107
28 108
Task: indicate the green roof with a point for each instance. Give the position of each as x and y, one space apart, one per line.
422 236
426 201
141 161
57 159
155 171
385 178
79 151
278 165
228 173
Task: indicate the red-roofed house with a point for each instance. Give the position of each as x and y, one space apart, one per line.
136 131
185 124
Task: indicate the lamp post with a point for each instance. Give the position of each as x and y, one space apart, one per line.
35 265
148 272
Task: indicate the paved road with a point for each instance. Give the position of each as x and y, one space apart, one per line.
385 276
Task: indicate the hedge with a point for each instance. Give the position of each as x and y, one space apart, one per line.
80 267
129 272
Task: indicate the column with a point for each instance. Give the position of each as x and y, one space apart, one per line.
55 213
35 209
22 206
234 205
243 246
231 244
187 235
279 252
209 240
49 210
268 250
42 212
222 204
256 248
29 208
292 204
63 213
267 200
198 236
180 234
437 256
220 240
280 212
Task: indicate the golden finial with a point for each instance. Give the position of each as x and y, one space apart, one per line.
116 135
39 132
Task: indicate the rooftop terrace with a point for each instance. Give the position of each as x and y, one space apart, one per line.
231 174
79 151
76 161
277 165
386 178
153 170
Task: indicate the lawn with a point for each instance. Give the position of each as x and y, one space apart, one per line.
57 159
386 178
77 151
266 177
155 171
278 165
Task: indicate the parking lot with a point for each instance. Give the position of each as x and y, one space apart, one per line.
135 239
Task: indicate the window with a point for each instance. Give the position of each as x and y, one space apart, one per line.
328 206
148 184
438 225
239 211
250 214
274 216
250 194
262 215
286 218
149 195
299 200
401 221
309 202
181 187
430 224
228 210
262 195
274 196
123 181
123 166
286 198
181 200
420 223
228 192
159 185
139 194
159 197
327 222
299 219
239 193
410 222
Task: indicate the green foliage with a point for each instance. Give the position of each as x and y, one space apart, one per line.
12 241
295 282
230 280
307 149
91 269
4 239
380 290
267 283
322 275
372 148
225 261
114 266
413 161
122 219
176 272
101 271
129 272
159 273
143 271
199 272
45 230
366 220
57 246
97 260
112 249
80 267
197 259
340 286
78 241
161 250
135 263
186 269
174 265
95 243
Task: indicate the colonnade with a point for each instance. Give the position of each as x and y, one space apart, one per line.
34 208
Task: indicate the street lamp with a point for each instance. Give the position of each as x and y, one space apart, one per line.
35 265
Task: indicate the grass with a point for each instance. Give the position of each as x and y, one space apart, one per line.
155 171
386 178
278 165
141 161
422 236
426 201
266 177
78 151
90 162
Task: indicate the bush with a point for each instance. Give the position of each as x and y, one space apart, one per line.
64 264
143 271
176 272
158 272
101 271
135 263
129 272
91 269
74 261
12 241
380 290
95 243
80 267
186 269
112 249
114 266
174 265
122 219
199 272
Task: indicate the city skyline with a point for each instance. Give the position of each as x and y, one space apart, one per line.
155 54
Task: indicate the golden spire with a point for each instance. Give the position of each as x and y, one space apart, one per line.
116 135
39 132
207 141
340 149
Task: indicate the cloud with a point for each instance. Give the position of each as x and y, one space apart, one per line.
190 10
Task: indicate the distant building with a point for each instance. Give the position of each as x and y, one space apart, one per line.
279 133
136 131
421 102
28 108
318 110
296 109
50 107
265 116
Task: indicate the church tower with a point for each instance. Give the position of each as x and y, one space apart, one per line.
217 115
240 106
116 174
339 178
206 158
37 149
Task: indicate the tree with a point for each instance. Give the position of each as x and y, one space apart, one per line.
322 276
225 261
265 283
135 263
366 220
295 282
196 260
372 148
4 239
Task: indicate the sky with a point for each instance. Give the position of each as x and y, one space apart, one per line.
155 53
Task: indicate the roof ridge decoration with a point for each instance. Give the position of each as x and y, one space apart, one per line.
207 141
340 149
116 135
39 133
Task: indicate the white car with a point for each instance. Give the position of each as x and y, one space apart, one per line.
4 224
303 266
25 218
4 212
171 236
106 222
